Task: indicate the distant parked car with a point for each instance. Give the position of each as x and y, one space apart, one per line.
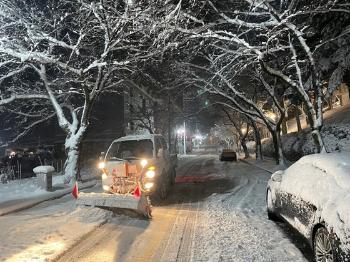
228 155
313 196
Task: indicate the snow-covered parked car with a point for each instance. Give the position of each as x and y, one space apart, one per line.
313 196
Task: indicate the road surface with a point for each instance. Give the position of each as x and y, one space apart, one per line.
182 223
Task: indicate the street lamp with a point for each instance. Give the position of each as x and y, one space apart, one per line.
180 131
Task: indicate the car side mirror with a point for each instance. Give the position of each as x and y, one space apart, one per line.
277 176
102 156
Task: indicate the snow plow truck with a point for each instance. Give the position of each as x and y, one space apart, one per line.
134 169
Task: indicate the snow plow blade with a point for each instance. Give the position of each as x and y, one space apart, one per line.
141 205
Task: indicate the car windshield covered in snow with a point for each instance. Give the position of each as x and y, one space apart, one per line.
131 149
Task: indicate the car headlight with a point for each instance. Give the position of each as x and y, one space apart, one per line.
104 176
106 188
101 165
144 162
148 186
150 174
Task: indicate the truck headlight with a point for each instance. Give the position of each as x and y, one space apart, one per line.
148 186
144 162
101 165
150 174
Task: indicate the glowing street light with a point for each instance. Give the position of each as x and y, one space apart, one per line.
271 115
199 137
182 132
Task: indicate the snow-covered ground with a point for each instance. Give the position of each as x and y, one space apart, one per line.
29 188
25 188
222 219
234 226
44 232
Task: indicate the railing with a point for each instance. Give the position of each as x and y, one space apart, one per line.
15 171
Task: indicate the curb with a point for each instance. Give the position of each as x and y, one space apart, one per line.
38 200
248 163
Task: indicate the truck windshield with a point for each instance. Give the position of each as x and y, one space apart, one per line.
131 149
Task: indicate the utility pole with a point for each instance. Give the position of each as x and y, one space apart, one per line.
169 123
183 112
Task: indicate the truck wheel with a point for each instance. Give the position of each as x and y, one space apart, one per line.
148 213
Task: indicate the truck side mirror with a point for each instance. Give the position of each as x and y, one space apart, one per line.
102 156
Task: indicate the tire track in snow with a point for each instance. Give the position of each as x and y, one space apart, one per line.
180 243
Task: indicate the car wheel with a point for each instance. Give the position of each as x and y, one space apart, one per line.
270 208
323 246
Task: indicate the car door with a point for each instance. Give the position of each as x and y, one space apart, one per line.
297 211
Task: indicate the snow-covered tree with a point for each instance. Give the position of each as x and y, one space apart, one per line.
225 135
242 127
279 36
74 50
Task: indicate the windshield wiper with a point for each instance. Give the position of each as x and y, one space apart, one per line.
116 158
132 157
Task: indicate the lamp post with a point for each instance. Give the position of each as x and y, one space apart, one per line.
182 131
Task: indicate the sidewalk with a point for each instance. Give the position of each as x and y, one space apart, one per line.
14 205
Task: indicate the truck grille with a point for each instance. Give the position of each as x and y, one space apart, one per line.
124 185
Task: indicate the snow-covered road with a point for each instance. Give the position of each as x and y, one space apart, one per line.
216 212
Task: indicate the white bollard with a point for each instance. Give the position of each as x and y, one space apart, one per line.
44 176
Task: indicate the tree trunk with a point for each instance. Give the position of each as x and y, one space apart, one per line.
276 138
258 149
297 118
318 140
245 149
71 165
284 127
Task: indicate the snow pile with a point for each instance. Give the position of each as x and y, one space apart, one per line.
298 144
25 188
47 230
43 169
16 189
324 181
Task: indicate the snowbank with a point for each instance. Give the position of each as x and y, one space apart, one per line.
295 145
324 181
25 188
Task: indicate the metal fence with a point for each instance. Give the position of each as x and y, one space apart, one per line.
16 170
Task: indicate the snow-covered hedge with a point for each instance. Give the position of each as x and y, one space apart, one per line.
295 145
